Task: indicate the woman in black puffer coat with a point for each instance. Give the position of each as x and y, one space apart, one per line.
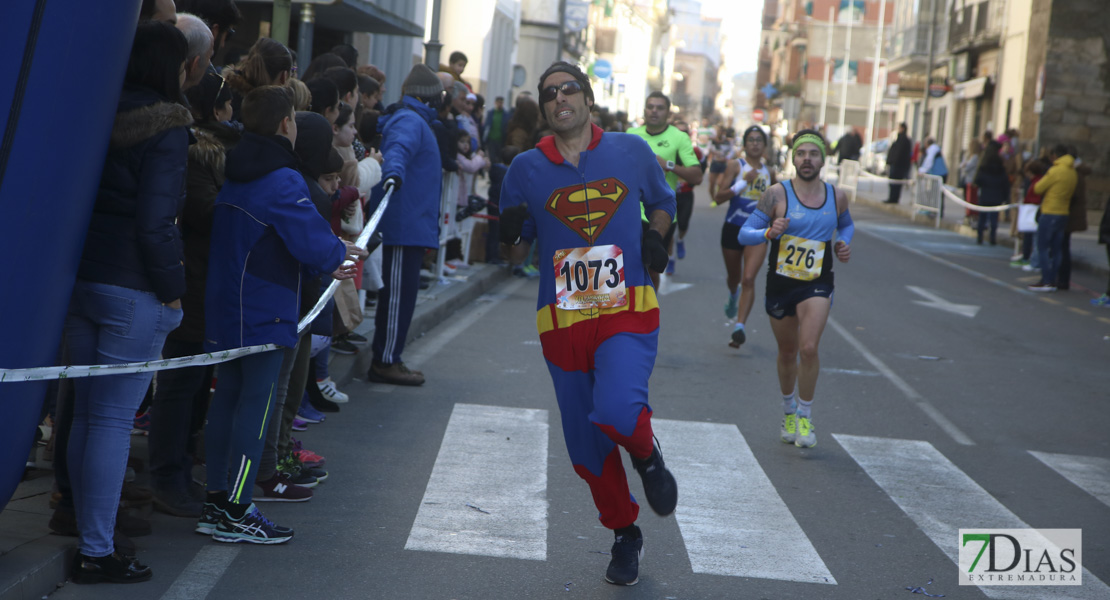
127 296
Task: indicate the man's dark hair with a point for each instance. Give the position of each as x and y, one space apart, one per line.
368 129
156 56
343 78
320 64
572 70
368 85
661 95
324 94
265 108
456 56
222 13
1060 150
348 53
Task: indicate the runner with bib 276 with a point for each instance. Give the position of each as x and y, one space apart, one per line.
799 218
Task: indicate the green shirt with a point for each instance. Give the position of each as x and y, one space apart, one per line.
670 144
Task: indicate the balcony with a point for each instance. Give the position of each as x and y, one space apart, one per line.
909 48
975 25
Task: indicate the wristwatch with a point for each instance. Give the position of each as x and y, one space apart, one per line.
670 165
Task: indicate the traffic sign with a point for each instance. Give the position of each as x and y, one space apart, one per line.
602 68
758 115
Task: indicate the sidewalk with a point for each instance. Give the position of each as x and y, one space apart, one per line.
33 561
1086 253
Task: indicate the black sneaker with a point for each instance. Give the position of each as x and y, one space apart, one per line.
628 549
210 516
659 485
342 346
253 528
356 338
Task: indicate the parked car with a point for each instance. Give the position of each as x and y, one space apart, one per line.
874 158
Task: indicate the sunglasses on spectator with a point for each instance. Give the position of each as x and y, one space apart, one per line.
568 88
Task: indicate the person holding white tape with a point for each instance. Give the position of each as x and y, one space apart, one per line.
799 218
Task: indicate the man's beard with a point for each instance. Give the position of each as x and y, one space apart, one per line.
816 173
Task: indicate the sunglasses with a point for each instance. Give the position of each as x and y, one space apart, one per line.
568 88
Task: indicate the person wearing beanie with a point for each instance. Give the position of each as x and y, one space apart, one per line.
600 338
410 225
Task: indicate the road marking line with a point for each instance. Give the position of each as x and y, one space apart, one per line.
1080 311
732 519
487 494
1050 300
1104 320
948 426
1090 473
940 498
202 573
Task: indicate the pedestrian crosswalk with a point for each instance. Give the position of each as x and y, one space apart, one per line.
487 495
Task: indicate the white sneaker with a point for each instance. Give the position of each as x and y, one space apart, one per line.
328 389
1028 268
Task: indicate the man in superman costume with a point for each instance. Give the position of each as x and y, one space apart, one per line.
578 195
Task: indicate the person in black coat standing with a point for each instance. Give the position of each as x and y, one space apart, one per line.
898 159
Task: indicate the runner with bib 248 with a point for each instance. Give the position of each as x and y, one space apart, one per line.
799 218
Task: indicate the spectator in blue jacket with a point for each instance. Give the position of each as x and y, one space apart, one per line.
127 296
265 230
410 224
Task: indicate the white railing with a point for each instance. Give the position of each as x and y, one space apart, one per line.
928 196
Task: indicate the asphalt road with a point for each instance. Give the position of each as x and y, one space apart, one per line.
941 377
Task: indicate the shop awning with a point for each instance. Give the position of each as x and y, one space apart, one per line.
358 16
973 88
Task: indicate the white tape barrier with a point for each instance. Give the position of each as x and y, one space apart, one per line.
975 207
869 175
208 358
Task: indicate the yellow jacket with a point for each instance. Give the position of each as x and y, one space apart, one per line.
1057 186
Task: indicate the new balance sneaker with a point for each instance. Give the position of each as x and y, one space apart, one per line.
253 528
280 488
627 551
330 392
789 430
659 485
1103 300
210 516
680 249
807 434
732 306
307 457
738 336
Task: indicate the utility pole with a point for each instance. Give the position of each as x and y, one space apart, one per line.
432 46
926 121
304 39
875 77
828 67
562 30
847 67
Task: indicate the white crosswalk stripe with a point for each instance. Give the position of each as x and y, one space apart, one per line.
732 520
487 494
940 498
1090 473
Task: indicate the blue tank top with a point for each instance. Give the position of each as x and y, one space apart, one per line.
741 205
803 254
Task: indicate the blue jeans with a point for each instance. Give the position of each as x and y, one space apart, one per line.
246 389
108 324
1051 230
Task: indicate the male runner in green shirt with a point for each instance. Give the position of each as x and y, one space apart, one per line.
674 152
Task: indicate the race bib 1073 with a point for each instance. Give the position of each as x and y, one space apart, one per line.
591 277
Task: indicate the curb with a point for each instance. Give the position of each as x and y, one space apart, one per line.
41 565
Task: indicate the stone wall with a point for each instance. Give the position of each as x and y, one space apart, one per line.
1076 108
